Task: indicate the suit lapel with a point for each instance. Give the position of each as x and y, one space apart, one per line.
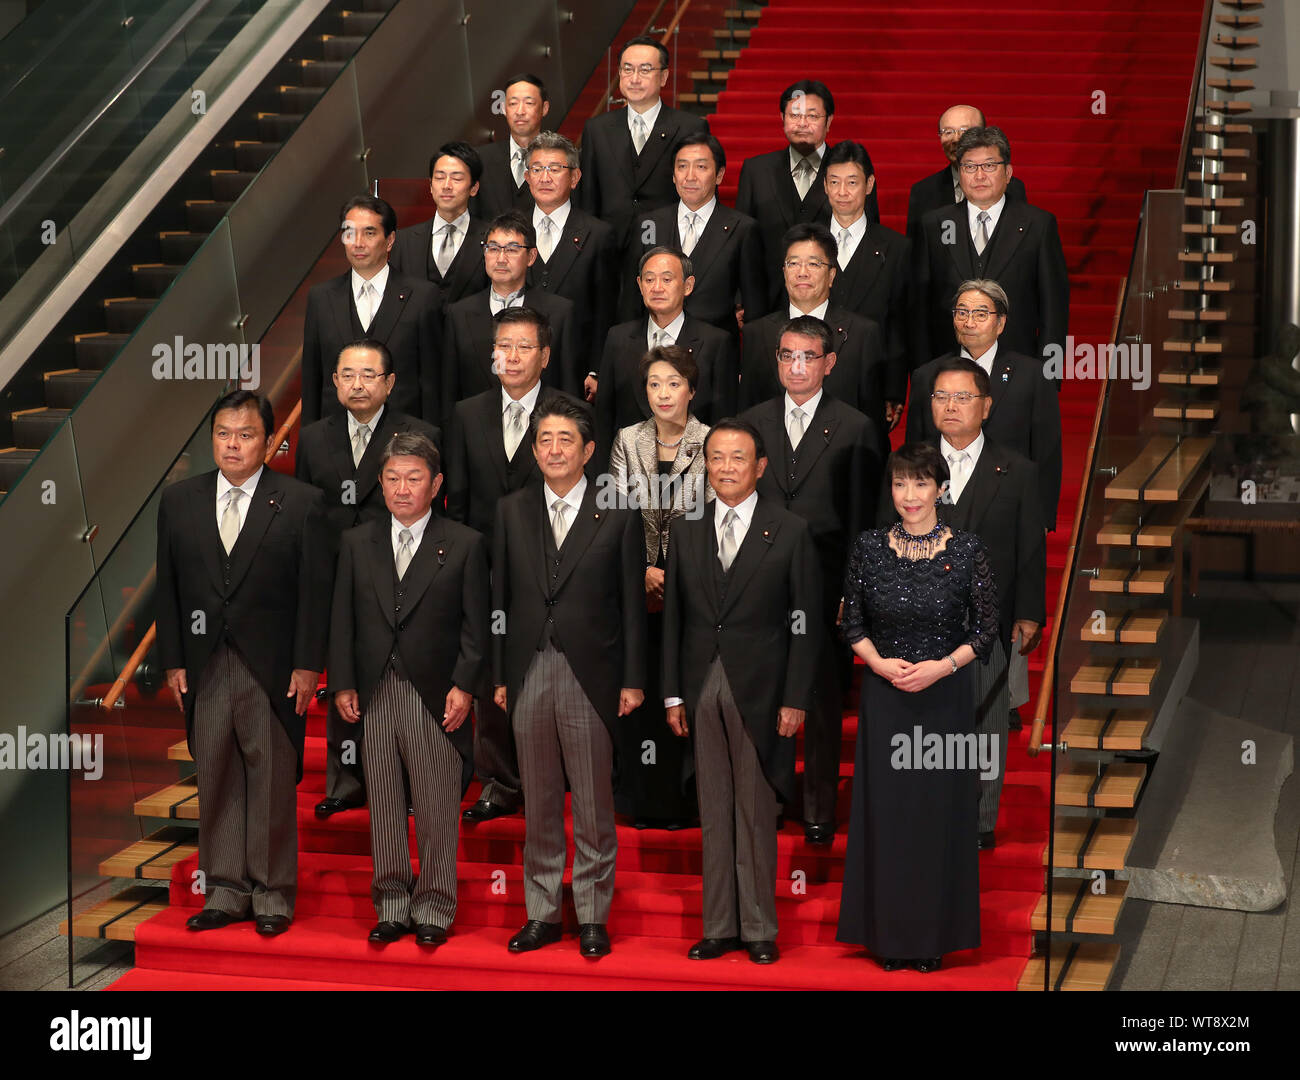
816 438
758 541
421 247
636 348
492 432
396 294
962 251
1004 370
263 507
469 256
771 425
978 493
709 244
205 519
340 448
865 266
567 248
662 136
341 306
382 568
367 470
647 452
429 558
581 532
1006 239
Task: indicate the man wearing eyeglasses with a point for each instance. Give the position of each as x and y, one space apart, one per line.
576 253
990 236
509 249
505 177
445 249
626 154
340 455
943 189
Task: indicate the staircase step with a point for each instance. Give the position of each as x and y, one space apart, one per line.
252 154
317 72
1162 470
1203 286
152 859
1233 63
64 389
1206 258
1116 786
123 314
116 919
179 751
179 245
1223 129
1190 376
1201 346
1206 229
96 350
1127 677
1232 86
361 23
1219 152
1077 909
13 463
277 125
340 46
1086 966
179 800
204 215
33 427
1108 729
229 184
1133 627
153 279
1092 843
1186 410
1229 106
1139 582
299 99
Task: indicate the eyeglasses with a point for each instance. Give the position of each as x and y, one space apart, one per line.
811 117
347 378
522 348
808 264
786 357
987 166
948 133
961 397
554 170
493 248
979 315
639 69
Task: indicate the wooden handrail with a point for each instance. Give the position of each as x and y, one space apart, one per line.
613 82
128 610
1049 666
295 414
128 672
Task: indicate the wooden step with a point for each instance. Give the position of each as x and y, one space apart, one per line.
1237 21
719 54
1203 286
1233 86
1194 376
1129 525
736 35
1076 966
1198 315
115 919
1084 843
1204 258
1213 153
1115 787
1139 583
698 99
1202 229
1126 677
748 14
1201 346
1223 129
152 859
179 800
1077 909
179 751
1108 729
1186 410
1131 627
1234 63
1229 106
1162 469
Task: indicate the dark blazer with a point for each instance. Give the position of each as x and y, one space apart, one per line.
876 285
434 621
768 195
1025 417
583 268
478 473
617 182
352 492
407 322
412 256
1024 256
591 596
497 192
727 262
935 193
268 599
831 482
621 398
467 335
752 626
857 379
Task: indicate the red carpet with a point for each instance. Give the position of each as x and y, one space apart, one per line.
894 68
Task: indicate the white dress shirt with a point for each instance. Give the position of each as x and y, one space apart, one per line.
809 407
497 302
819 311
816 155
994 212
528 401
957 486
985 361
417 533
704 213
671 332
856 232
559 218
462 230
378 283
648 118
573 499
247 487
372 424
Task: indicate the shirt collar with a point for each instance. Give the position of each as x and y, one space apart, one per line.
857 230
995 211
705 212
947 449
744 510
819 311
559 216
461 223
809 407
417 529
985 361
248 487
379 281
650 116
816 155
673 329
528 400
354 423
573 498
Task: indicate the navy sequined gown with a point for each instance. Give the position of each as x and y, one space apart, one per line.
911 872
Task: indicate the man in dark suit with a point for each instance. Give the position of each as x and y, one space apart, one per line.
447 250
1024 410
511 248
741 638
504 185
942 189
626 155
860 377
408 646
340 455
242 607
371 300
570 579
990 236
787 187
873 263
724 246
825 467
994 493
665 280
577 256
488 457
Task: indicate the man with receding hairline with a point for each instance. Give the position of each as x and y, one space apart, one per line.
505 179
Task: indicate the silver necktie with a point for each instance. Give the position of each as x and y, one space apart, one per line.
727 548
517 166
447 251
804 173
798 421
689 237
559 521
366 305
639 133
230 519
657 337
545 238
957 474
845 252
982 233
360 441
500 303
514 428
403 552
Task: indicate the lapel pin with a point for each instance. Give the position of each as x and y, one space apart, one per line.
596 515
273 505
725 228
401 296
442 555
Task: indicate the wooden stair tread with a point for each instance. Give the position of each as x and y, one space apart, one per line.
1199 314
1207 257
1129 677
1186 410
1220 152
1197 376
179 800
1223 129
1076 909
1229 106
1162 470
1212 177
179 751
1108 729
116 918
152 859
1086 966
1203 286
1118 786
1133 627
1232 85
1108 841
1194 229
1158 529
1201 346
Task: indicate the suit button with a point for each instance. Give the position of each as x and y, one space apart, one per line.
397 607
401 626
225 603
393 658
549 619
718 628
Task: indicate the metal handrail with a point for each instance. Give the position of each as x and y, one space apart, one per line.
672 26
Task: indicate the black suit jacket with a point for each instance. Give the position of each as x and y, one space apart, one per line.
621 398
1024 256
477 470
583 268
617 182
497 191
591 596
434 621
268 599
935 193
876 285
1025 417
352 492
407 322
412 256
768 195
857 379
727 262
754 627
467 346
831 482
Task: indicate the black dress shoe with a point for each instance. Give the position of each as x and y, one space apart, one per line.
932 963
593 941
1013 722
486 811
713 947
987 841
212 919
534 935
430 934
271 925
893 964
326 807
385 933
762 952
819 832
